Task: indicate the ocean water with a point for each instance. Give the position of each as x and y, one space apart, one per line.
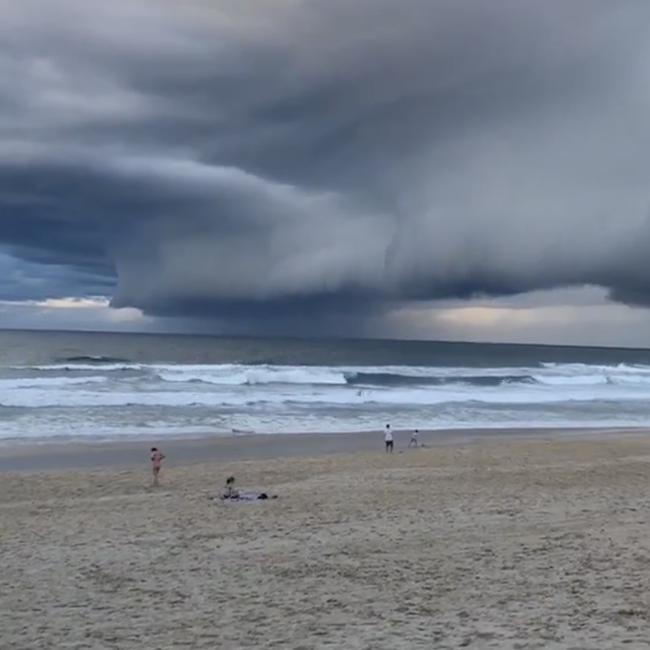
70 385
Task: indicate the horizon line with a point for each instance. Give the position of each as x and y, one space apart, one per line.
321 338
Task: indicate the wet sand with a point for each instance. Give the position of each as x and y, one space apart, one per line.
503 542
48 456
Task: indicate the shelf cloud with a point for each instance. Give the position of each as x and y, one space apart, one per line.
298 160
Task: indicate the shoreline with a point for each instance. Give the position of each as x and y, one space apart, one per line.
27 456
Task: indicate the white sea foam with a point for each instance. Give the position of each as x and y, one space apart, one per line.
43 382
335 395
236 374
85 398
241 374
570 380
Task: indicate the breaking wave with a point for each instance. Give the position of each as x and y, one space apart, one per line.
86 394
95 359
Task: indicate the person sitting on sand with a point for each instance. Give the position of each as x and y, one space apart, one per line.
388 439
231 494
157 458
414 438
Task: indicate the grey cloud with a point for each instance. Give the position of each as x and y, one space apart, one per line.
292 159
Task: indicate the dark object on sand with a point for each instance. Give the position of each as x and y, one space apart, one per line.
231 494
249 496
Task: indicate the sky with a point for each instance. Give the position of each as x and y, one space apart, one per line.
437 169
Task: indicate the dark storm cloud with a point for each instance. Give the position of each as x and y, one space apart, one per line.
289 159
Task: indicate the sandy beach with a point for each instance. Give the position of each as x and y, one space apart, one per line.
505 542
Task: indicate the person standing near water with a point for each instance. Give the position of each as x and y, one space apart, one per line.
414 438
388 439
157 458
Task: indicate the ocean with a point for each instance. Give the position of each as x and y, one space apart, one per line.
101 386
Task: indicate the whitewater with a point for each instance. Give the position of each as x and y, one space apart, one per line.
98 397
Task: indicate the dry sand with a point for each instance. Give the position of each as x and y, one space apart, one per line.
527 543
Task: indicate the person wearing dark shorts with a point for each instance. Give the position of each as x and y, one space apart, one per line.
388 440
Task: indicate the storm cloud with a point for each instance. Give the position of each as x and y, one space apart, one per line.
259 160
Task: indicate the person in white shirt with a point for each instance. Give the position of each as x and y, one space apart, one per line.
414 438
388 439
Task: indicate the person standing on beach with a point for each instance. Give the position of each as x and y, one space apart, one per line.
388 439
157 458
414 438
